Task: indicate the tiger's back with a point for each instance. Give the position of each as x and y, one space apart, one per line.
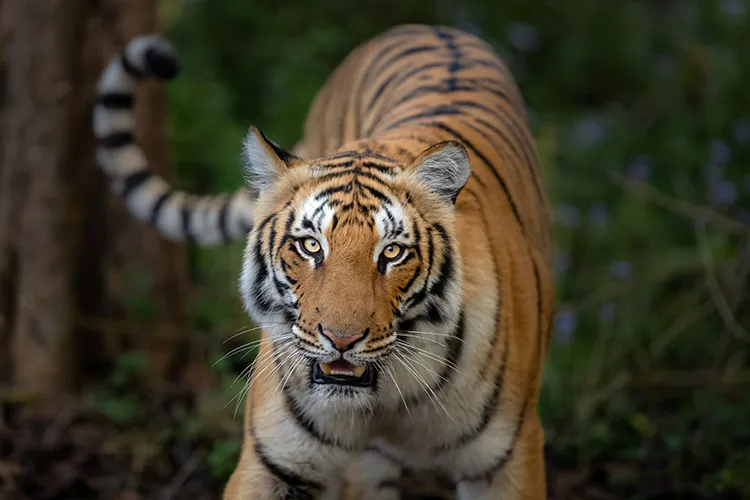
420 133
414 86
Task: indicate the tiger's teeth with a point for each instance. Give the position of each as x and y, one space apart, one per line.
325 368
359 371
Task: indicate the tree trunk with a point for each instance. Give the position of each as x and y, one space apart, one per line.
68 249
38 132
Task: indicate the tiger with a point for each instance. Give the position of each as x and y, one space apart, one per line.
397 260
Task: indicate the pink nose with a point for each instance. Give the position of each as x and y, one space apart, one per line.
343 342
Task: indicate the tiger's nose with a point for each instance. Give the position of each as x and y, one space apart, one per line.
343 342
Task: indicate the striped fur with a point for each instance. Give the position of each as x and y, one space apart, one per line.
409 225
206 220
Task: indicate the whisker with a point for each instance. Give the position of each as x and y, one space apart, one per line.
247 329
401 334
426 367
430 355
250 346
390 374
421 379
437 334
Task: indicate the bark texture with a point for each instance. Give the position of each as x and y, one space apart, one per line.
71 258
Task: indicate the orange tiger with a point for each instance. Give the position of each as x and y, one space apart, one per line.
398 261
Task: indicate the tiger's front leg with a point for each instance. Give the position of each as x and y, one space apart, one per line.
274 473
373 476
522 476
280 460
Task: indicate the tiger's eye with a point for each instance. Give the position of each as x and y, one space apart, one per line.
311 245
392 252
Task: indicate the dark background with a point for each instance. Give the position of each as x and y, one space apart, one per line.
641 113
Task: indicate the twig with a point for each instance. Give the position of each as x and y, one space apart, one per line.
712 282
679 206
690 379
689 318
182 475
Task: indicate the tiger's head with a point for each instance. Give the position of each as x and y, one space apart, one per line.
353 268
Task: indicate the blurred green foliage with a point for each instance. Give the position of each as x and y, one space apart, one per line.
642 119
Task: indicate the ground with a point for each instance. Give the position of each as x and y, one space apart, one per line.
72 450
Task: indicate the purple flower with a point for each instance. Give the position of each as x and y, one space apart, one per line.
599 214
722 193
607 312
568 215
640 168
741 131
720 152
621 270
733 8
713 173
562 261
523 36
566 323
589 132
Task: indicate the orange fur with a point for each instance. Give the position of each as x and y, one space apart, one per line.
398 263
501 226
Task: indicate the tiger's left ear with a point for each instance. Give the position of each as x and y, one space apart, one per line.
444 168
264 161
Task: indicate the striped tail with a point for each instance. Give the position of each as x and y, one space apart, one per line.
179 216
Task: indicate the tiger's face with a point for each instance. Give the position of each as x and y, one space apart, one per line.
349 262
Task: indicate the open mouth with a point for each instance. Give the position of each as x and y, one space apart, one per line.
342 372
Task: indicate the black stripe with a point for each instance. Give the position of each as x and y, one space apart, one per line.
380 91
430 113
460 85
402 55
116 140
526 153
223 212
156 209
411 281
308 425
116 100
134 180
303 488
375 193
484 159
130 69
386 169
455 349
418 297
489 408
185 215
534 373
368 75
401 80
354 172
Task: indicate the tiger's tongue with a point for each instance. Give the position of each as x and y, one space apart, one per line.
342 367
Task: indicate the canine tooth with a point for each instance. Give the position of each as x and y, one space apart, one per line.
359 371
325 368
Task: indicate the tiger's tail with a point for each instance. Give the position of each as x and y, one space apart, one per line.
179 216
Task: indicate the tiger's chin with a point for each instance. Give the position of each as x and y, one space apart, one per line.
343 386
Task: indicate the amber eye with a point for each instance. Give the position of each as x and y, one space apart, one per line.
311 246
392 251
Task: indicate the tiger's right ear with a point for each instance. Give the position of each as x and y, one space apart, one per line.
264 161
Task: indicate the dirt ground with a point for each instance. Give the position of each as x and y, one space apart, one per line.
65 451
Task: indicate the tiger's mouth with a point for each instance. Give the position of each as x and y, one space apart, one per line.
342 372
